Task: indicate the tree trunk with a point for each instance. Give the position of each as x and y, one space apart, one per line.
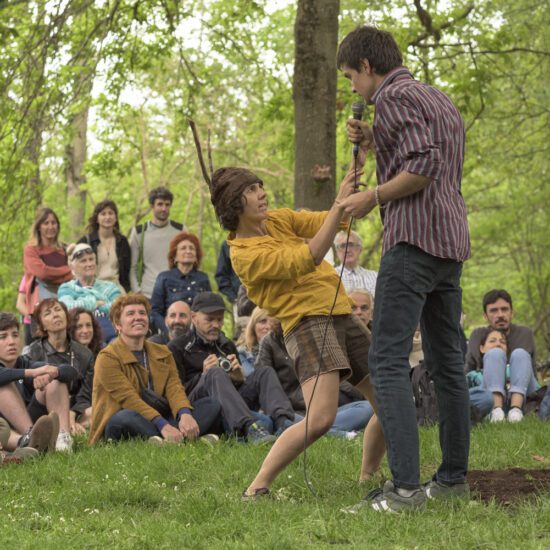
75 159
316 38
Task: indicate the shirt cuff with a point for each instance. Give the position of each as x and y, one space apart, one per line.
159 422
182 411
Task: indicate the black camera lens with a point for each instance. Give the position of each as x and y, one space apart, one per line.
225 364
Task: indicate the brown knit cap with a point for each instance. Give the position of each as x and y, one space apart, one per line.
228 184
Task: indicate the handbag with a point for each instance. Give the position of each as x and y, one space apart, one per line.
156 401
151 397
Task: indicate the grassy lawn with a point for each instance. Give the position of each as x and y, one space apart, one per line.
134 495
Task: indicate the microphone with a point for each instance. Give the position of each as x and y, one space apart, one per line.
357 108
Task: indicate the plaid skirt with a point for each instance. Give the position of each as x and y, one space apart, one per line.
346 347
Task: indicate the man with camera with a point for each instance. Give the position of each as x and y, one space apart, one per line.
208 367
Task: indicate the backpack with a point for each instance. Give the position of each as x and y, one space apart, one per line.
425 400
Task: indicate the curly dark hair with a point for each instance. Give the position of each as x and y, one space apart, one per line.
97 340
495 294
160 193
378 47
93 226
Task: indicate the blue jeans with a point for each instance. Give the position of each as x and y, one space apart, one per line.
412 287
522 379
482 399
544 411
351 417
127 424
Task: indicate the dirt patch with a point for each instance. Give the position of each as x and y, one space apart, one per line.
508 486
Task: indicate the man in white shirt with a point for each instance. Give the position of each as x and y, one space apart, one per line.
354 276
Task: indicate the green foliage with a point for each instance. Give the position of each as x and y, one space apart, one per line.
228 65
135 495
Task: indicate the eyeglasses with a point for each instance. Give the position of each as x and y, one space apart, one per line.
342 246
81 253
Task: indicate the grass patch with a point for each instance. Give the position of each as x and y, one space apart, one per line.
134 495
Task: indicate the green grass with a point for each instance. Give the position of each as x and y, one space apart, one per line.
134 495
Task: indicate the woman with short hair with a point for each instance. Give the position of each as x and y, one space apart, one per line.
183 281
86 290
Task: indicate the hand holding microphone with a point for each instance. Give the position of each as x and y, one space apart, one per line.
359 132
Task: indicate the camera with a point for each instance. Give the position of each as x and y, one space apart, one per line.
225 364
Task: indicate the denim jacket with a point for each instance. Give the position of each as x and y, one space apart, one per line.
173 285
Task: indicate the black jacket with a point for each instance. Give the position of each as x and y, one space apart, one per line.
123 253
80 380
273 353
228 282
190 351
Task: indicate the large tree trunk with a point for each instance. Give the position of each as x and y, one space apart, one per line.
75 159
316 37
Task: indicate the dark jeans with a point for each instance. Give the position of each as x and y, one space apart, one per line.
261 389
412 287
126 424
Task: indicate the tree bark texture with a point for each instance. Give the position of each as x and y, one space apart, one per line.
314 89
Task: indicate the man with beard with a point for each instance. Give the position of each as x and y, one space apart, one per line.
498 311
149 242
177 321
208 366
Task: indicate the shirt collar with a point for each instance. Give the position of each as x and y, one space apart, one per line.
401 73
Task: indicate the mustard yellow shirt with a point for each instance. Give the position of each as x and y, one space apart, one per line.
279 273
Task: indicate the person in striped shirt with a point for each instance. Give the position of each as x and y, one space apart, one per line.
353 275
418 140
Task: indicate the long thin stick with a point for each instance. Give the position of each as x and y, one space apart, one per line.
199 153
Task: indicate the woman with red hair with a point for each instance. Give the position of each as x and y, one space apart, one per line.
183 281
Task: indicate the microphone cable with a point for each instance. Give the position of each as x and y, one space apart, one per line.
308 483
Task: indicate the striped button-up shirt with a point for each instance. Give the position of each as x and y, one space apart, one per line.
417 129
358 278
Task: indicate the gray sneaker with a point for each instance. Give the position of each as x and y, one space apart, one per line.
388 499
435 490
258 435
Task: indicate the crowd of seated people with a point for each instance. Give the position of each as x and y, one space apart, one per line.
109 322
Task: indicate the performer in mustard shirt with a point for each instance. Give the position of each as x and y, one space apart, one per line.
278 255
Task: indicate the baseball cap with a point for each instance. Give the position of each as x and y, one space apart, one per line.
208 302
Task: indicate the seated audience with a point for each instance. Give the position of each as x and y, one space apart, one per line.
110 246
353 275
497 309
21 431
258 326
44 260
129 369
86 290
177 321
353 413
208 366
363 305
183 281
56 347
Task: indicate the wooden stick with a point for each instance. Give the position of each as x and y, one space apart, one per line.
199 153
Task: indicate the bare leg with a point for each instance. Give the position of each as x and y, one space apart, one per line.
498 400
320 415
374 445
14 411
516 400
55 397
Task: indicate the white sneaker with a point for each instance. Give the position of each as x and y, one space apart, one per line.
515 415
64 442
350 435
497 415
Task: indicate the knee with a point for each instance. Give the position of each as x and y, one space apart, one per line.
519 354
321 424
125 416
216 374
495 354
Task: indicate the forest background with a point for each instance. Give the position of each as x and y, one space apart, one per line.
95 98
